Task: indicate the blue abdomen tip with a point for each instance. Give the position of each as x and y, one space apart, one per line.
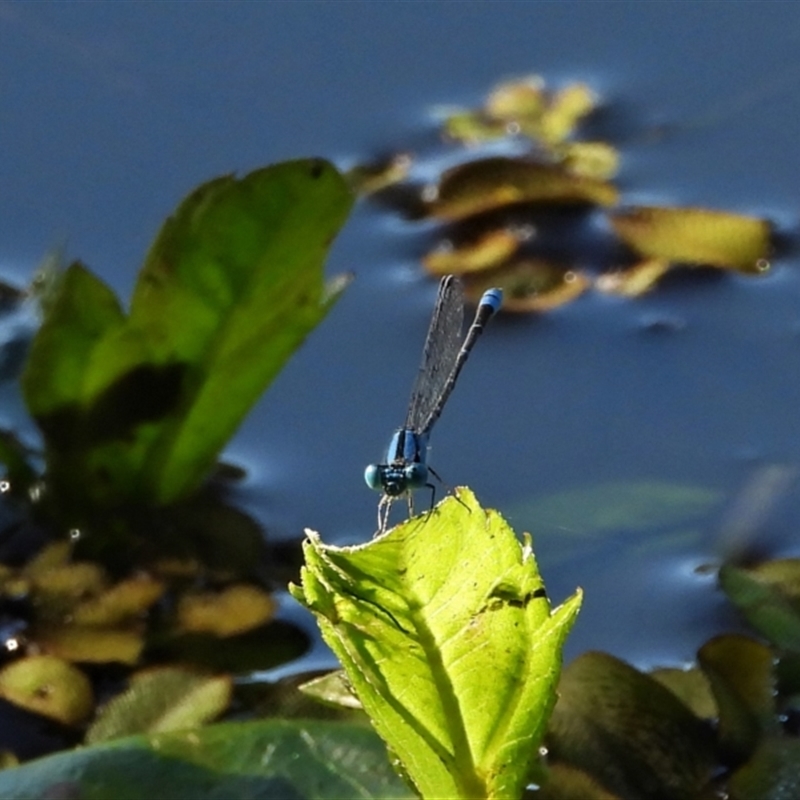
493 298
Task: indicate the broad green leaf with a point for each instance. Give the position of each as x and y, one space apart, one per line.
629 732
448 640
741 674
49 686
232 285
137 407
490 183
697 236
268 760
161 700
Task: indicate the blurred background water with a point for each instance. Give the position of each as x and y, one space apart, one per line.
622 434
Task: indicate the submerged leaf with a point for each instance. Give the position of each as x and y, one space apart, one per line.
124 601
490 183
449 641
49 686
161 700
696 236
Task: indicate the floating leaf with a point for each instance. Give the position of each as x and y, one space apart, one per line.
490 183
370 178
597 160
696 236
90 644
635 280
628 732
567 107
768 595
161 700
49 686
691 687
473 127
511 101
531 284
126 600
233 611
267 759
488 251
449 641
741 673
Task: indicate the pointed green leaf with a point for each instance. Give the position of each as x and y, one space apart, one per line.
448 639
232 285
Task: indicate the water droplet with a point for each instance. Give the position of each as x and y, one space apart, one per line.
762 265
5 486
430 193
11 644
75 534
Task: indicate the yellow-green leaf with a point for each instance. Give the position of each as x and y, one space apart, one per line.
490 183
233 611
49 686
696 236
448 640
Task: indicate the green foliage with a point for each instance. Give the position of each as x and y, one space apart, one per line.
160 700
136 407
269 760
449 641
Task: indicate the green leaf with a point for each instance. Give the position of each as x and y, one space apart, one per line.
448 640
137 408
628 732
160 700
773 773
49 686
231 287
267 760
491 183
741 674
768 595
697 236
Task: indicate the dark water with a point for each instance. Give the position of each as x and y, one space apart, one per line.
110 113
